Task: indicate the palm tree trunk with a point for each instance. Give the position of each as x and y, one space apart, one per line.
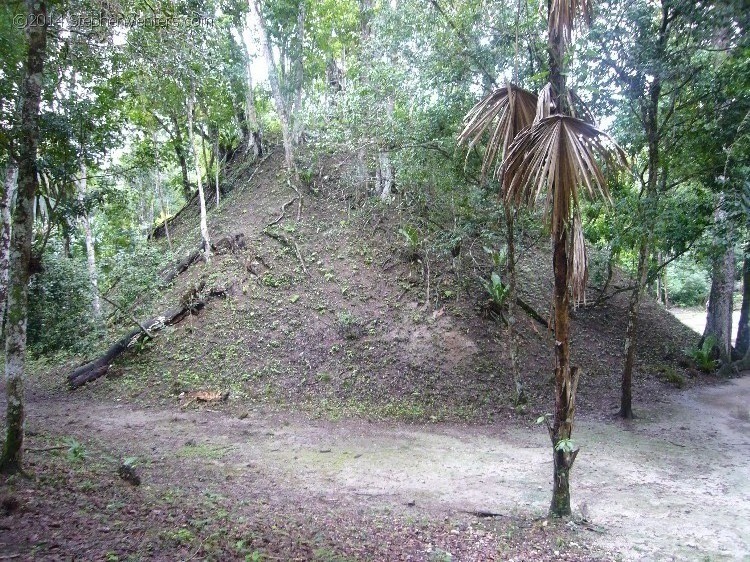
566 383
566 378
21 237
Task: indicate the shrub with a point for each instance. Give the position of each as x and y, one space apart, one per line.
60 314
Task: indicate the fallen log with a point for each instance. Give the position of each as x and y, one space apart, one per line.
99 367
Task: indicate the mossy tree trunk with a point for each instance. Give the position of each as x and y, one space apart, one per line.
21 236
11 176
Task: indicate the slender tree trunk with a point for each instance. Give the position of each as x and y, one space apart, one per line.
650 118
217 161
90 250
520 397
160 194
179 149
299 75
201 195
742 343
11 176
626 393
273 78
21 236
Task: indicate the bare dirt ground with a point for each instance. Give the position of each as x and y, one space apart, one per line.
673 485
695 319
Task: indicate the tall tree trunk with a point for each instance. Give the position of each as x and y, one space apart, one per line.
160 194
720 301
626 390
21 236
742 343
273 78
6 200
179 149
196 159
90 251
520 397
566 377
650 119
217 161
299 76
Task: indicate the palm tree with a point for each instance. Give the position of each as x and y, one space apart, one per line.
557 158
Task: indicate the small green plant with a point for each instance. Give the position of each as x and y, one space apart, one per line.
565 445
703 356
498 257
413 242
350 327
673 377
76 451
497 290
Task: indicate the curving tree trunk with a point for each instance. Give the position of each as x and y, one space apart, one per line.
21 236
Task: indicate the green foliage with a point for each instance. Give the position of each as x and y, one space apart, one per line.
703 356
350 326
75 452
497 290
688 283
565 445
411 236
60 313
671 376
134 277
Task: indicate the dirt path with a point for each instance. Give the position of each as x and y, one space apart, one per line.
674 485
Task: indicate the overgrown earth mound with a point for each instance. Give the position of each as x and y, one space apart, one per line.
337 304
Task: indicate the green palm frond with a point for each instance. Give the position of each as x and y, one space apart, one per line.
556 157
505 113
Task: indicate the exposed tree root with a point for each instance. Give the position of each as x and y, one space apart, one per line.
290 244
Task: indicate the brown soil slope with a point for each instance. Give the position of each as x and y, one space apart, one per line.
333 315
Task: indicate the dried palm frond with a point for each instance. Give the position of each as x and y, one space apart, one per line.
578 262
545 106
511 109
564 13
557 156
